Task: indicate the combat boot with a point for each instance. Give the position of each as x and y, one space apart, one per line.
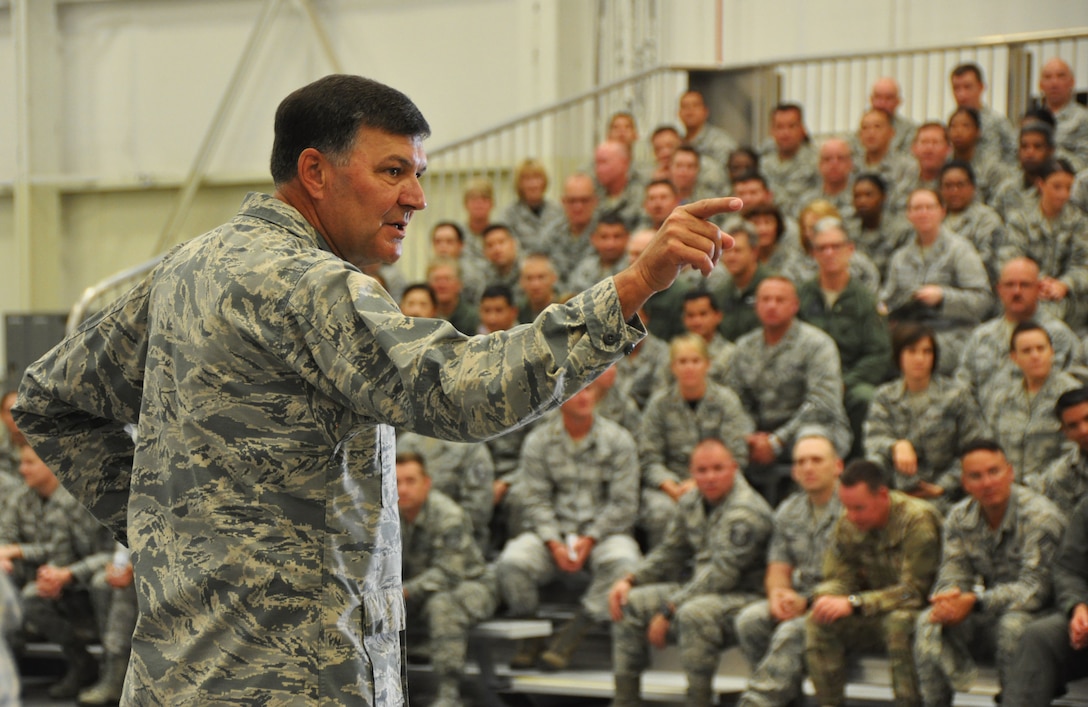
628 688
527 653
700 691
564 643
82 671
108 689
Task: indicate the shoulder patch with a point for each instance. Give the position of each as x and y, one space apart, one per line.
740 534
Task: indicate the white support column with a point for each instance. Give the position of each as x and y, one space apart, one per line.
37 257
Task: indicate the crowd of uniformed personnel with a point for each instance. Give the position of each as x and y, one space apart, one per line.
867 427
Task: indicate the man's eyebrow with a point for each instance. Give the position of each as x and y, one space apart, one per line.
403 163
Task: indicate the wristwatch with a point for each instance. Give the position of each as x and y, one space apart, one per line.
855 601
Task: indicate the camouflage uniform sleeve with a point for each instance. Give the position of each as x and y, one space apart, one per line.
1042 529
1079 197
537 488
74 404
921 553
652 444
968 368
1007 139
53 543
621 506
994 240
1065 340
737 377
349 340
897 288
738 543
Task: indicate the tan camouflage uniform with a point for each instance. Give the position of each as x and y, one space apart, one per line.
891 570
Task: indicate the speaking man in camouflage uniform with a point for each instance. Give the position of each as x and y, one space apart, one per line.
266 374
877 574
772 632
994 576
1065 480
691 586
580 480
440 559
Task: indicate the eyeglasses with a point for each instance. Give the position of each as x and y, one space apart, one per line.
829 247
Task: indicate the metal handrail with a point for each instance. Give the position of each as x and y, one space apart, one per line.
493 151
553 108
81 309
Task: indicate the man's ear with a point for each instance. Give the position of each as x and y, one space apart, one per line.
313 172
